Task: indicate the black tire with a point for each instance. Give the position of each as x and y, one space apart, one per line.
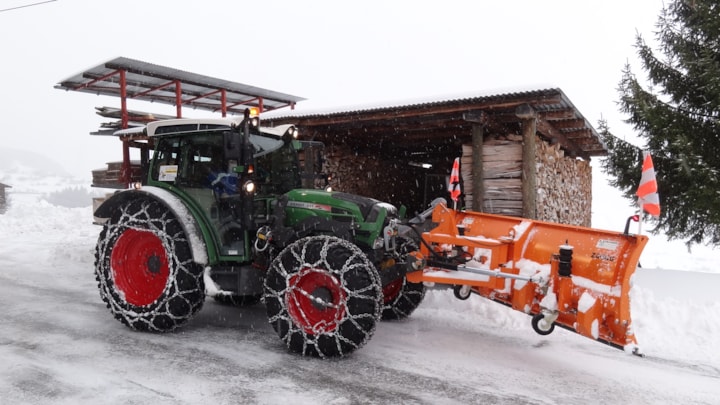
323 297
237 300
462 292
540 326
145 270
401 297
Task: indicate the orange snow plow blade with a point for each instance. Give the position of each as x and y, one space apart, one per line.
573 277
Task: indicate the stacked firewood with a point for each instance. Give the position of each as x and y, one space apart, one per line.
352 172
564 186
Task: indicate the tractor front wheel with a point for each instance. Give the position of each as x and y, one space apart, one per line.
145 270
323 296
401 298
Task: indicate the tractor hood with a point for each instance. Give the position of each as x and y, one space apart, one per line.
365 216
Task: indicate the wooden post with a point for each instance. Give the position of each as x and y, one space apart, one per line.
479 119
528 118
478 185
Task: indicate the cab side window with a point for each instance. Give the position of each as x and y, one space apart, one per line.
201 161
167 154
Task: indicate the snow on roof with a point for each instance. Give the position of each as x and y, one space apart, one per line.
419 101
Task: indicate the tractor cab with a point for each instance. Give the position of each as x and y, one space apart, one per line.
227 172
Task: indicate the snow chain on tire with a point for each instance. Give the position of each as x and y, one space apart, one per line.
145 270
401 296
323 296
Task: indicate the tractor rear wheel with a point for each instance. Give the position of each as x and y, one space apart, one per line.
145 270
401 297
323 296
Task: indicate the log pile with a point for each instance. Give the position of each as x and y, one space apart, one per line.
564 187
358 173
109 177
387 178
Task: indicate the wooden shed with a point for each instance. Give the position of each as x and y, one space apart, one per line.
3 198
523 153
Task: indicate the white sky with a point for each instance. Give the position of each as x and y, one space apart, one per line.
332 53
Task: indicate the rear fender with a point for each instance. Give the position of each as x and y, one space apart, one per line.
171 202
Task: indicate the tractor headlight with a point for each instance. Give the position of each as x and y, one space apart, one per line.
249 187
291 133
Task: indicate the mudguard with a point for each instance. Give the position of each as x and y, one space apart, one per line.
173 203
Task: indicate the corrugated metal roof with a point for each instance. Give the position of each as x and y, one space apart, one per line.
558 119
155 83
405 104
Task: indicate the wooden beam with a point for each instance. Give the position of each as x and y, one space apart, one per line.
529 175
549 131
569 124
478 186
476 117
561 114
579 133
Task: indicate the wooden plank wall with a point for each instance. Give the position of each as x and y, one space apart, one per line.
502 171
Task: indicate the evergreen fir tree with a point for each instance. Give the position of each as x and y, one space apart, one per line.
678 117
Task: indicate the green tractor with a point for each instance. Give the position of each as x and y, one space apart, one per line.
221 210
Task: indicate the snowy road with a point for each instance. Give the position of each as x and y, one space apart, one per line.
60 345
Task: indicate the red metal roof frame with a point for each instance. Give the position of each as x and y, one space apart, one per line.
129 78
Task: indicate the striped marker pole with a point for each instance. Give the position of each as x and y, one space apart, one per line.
648 198
454 183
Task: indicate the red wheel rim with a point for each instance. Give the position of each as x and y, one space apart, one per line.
392 290
140 266
315 301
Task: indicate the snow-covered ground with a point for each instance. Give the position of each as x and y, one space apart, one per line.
60 345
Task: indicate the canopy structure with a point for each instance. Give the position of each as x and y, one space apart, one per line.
132 79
